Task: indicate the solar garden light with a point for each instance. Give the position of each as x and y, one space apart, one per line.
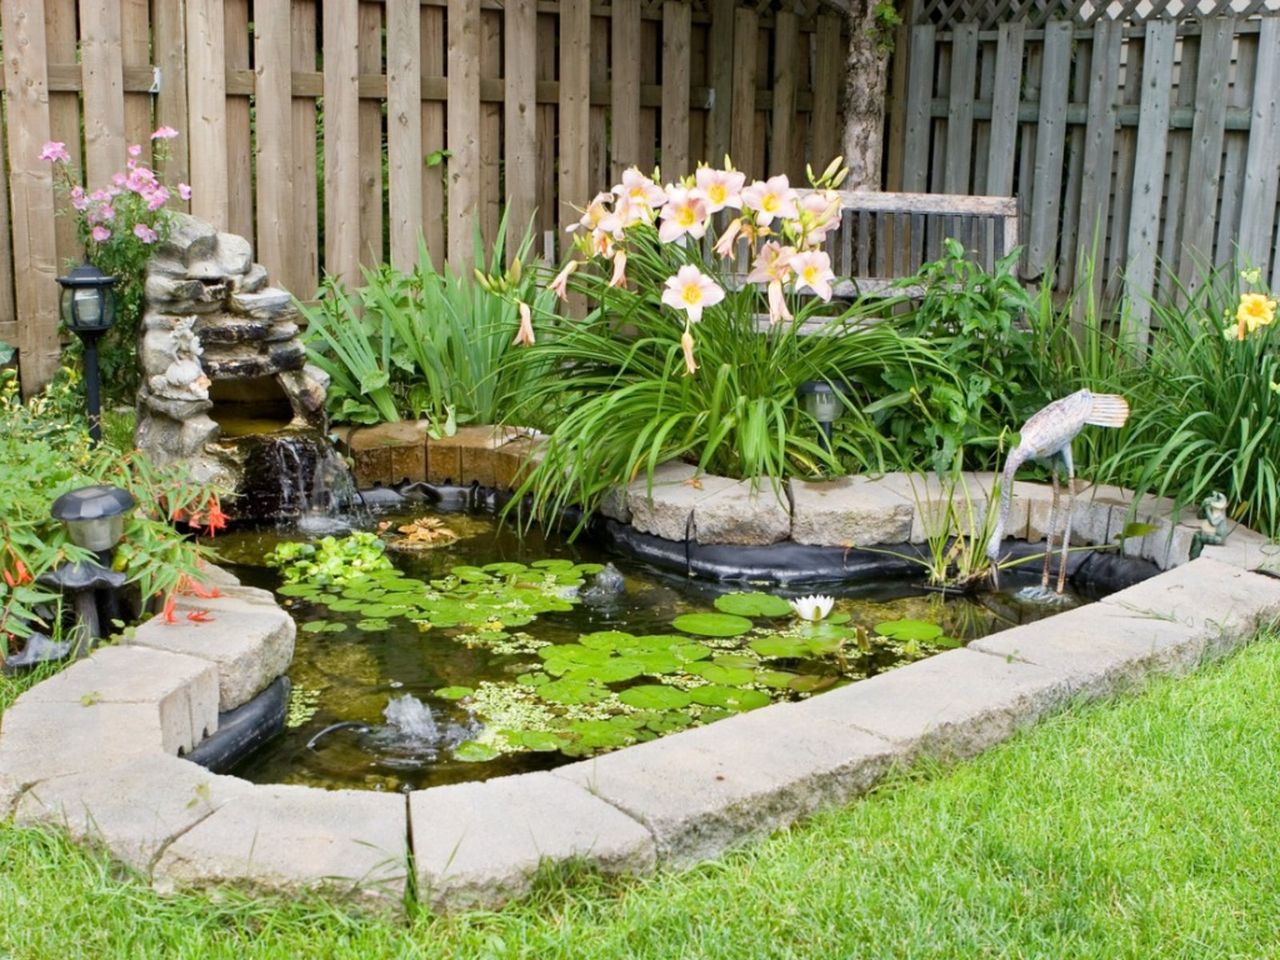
88 311
94 519
824 403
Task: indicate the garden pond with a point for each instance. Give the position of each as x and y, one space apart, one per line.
470 652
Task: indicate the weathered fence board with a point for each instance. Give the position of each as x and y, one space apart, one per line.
102 66
1143 149
404 127
207 110
676 27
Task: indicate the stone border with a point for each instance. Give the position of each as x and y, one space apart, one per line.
97 751
679 504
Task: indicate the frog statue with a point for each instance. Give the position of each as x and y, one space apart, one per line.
1213 523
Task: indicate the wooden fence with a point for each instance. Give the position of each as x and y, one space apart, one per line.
1152 148
305 124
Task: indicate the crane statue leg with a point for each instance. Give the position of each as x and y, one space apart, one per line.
1071 508
1053 523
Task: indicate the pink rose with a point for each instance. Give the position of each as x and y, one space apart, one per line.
135 149
144 233
78 198
157 198
184 191
100 234
164 133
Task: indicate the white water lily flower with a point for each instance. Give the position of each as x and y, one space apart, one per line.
813 608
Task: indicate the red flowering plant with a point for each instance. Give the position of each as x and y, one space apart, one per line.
119 226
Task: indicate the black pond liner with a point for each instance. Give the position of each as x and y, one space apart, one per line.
1090 572
244 729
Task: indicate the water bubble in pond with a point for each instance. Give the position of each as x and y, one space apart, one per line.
412 736
606 588
412 719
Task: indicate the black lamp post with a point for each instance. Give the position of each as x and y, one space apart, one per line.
94 518
88 311
824 403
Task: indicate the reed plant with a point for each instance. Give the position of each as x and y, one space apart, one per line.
427 342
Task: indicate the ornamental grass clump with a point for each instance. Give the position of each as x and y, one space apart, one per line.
696 294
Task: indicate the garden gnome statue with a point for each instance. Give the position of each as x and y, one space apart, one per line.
1213 523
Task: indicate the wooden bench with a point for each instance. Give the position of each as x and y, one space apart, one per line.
886 236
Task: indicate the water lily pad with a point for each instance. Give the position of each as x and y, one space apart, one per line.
468 574
504 568
297 590
669 722
606 639
372 625
600 734
473 751
919 630
553 563
324 626
735 660
614 670
753 605
654 696
533 679
729 698
454 693
732 676
588 569
781 646
657 663
689 652
539 740
347 606
712 624
569 692
777 679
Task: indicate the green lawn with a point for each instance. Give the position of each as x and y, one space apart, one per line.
1143 828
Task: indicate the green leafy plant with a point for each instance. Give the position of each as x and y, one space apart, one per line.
426 343
975 320
681 356
44 453
119 227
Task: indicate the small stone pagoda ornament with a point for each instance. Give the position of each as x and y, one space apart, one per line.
1213 523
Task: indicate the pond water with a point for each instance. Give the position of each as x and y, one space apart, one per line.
493 655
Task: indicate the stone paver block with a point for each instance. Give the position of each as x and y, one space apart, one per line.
1222 602
250 644
742 515
134 809
449 458
704 790
43 740
664 508
389 452
287 839
849 512
183 690
1099 648
929 498
614 505
955 704
512 461
478 845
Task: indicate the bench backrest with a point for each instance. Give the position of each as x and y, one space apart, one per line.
887 236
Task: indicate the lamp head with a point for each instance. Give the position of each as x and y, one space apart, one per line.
94 516
88 301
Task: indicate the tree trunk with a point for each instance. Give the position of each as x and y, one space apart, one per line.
866 82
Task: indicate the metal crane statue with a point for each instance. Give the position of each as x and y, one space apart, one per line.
1047 437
